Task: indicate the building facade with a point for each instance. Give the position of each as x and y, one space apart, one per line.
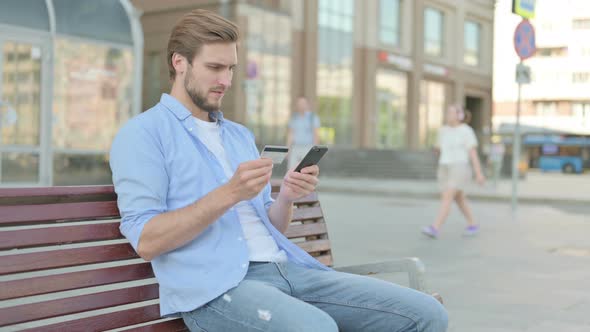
380 73
557 99
70 75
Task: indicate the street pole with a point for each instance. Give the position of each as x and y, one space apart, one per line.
516 153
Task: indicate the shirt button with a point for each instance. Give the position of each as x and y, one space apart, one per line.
240 239
190 129
244 266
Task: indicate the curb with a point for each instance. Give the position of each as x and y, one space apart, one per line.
434 195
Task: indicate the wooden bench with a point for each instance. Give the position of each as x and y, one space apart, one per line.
64 265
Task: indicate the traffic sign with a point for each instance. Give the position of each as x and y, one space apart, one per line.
524 40
524 8
523 74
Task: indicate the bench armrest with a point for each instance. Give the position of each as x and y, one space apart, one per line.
412 265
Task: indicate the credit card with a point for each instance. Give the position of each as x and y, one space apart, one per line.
275 152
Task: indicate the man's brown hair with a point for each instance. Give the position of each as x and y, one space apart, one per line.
195 29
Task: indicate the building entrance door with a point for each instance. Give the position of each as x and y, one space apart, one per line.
24 111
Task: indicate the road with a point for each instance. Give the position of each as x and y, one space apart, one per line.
528 272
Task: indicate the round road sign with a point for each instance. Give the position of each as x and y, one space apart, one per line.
524 40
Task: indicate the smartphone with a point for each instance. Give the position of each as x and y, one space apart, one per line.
312 157
275 152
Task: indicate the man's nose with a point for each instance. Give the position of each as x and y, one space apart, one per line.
225 78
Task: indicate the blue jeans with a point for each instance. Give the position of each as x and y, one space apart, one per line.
286 297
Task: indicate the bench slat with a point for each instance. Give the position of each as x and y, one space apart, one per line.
295 231
18 214
76 304
307 213
176 325
74 280
103 322
65 258
57 191
59 235
55 204
325 259
315 245
309 199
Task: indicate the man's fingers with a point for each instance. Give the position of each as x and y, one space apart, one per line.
303 177
255 173
311 170
256 163
300 191
304 185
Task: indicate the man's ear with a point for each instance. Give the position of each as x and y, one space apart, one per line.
179 63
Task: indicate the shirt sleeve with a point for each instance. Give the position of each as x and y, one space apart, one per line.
316 121
470 139
140 179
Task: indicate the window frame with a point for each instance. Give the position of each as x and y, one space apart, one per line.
441 34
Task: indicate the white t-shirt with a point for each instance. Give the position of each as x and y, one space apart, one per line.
261 245
455 144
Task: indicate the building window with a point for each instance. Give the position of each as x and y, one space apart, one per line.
551 51
546 109
335 76
92 94
268 75
472 42
389 22
432 109
581 77
390 120
581 24
20 91
82 118
433 32
581 112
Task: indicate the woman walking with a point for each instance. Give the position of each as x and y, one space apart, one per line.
457 147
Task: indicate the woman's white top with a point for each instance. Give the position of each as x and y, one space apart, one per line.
455 143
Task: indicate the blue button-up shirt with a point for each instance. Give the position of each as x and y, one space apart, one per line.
159 165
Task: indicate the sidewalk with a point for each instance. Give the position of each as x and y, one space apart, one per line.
538 188
524 272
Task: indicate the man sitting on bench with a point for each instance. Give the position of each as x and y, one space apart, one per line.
195 200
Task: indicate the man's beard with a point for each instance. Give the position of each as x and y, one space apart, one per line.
198 99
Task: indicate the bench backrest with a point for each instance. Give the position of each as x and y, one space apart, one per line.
64 265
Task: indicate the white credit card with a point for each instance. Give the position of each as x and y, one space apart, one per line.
275 152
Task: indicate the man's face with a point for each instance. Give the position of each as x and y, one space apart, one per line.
210 75
302 105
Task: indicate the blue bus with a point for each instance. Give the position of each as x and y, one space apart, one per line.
551 153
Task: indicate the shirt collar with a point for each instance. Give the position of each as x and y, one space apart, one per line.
181 112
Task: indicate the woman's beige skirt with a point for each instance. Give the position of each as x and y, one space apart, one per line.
454 176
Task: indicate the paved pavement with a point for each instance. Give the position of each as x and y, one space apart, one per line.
524 272
546 188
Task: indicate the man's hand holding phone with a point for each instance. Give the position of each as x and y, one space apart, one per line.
299 184
303 179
